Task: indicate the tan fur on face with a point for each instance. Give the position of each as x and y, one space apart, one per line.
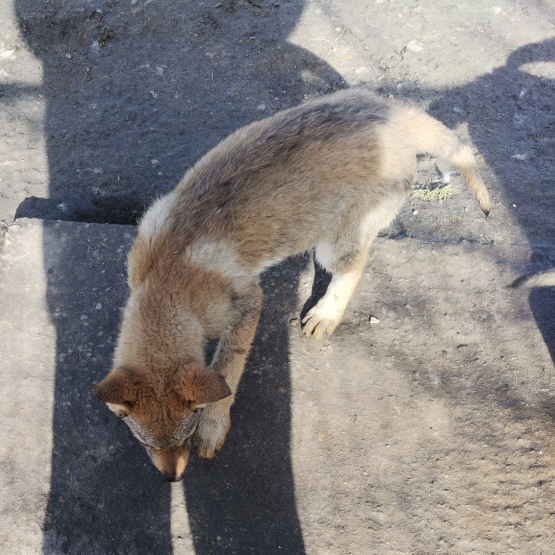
171 462
329 173
164 429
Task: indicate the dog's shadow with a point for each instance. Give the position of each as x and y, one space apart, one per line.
509 117
243 500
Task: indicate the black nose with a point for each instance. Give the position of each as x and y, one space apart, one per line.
171 478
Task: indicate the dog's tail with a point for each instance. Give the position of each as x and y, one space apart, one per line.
543 279
433 137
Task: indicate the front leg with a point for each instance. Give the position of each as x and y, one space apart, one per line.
229 359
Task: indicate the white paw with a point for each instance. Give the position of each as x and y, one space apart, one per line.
212 430
321 320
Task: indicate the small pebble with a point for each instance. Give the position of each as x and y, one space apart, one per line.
98 306
373 320
261 107
413 46
294 322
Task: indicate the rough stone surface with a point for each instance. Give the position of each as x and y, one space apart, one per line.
430 433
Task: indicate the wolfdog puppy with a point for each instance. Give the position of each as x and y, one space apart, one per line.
328 174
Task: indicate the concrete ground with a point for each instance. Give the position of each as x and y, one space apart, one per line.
428 431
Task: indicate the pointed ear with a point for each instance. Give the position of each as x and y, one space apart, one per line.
201 386
118 390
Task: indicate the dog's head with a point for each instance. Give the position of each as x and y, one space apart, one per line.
163 409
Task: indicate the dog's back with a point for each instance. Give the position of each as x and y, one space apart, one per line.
281 185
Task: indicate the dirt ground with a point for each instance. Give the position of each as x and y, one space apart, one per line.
105 104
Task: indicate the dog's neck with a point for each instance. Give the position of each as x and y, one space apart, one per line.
160 334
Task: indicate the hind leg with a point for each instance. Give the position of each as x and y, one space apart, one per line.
346 267
346 258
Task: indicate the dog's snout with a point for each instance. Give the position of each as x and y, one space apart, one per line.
171 462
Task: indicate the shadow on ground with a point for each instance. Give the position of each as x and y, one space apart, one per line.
510 114
243 501
136 93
